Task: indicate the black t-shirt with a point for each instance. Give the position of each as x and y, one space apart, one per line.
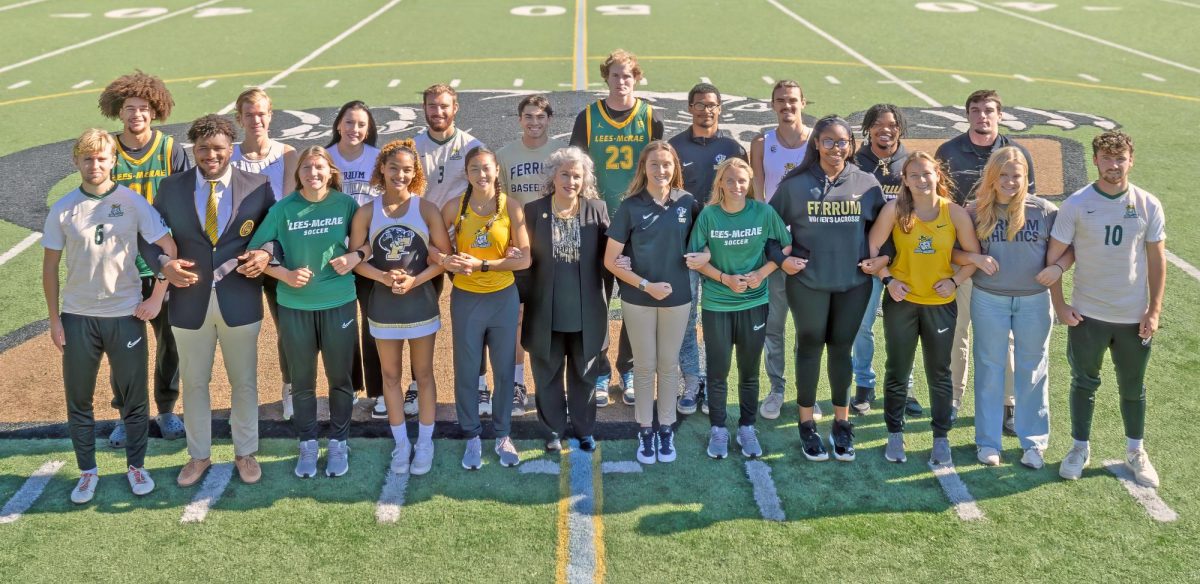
700 157
655 239
567 312
579 130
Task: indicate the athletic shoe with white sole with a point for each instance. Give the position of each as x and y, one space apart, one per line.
519 399
895 448
702 396
747 438
646 453
473 454
863 396
286 400
687 401
118 437
841 437
485 402
507 451
627 392
306 464
941 452
170 426
1138 462
422 458
379 412
666 444
771 405
1033 458
85 489
337 458
718 442
400 457
139 480
553 443
1010 421
410 400
587 443
988 456
602 382
1078 457
810 442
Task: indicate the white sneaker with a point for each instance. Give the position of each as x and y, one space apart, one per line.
400 457
1033 458
85 489
422 458
485 402
379 412
410 400
1078 457
1138 462
988 456
288 409
771 405
139 480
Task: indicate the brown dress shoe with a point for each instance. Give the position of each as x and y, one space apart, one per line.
248 468
192 471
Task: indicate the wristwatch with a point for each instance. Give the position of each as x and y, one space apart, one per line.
886 280
642 285
361 255
485 266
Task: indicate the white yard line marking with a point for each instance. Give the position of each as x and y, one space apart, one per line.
621 466
518 82
1101 8
82 84
956 491
1024 78
104 37
1171 257
206 84
387 510
705 80
19 247
857 56
886 81
29 492
20 4
765 495
1153 77
581 511
331 84
1182 3
455 83
319 50
393 83
1145 496
1084 36
71 15
1086 77
579 60
19 84
832 80
768 80
210 492
960 78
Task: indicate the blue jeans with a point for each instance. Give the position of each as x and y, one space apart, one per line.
1028 319
689 352
864 343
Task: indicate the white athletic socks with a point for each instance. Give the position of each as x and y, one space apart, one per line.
1133 444
399 434
424 432
1081 444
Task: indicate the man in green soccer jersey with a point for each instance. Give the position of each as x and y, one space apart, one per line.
613 132
144 157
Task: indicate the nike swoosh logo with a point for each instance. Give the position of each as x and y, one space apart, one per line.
647 216
347 323
940 331
687 164
941 226
132 344
1090 212
759 326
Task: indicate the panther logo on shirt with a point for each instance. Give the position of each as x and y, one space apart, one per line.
481 241
682 212
116 211
924 245
396 240
1130 211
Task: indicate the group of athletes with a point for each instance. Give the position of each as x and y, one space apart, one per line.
540 235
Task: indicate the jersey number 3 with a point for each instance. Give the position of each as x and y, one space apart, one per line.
619 157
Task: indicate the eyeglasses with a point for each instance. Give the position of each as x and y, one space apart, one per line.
704 107
829 143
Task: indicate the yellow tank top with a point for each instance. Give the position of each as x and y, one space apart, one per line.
486 238
923 256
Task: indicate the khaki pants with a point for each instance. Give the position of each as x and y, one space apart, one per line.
197 350
655 335
960 352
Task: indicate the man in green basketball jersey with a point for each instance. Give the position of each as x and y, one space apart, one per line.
613 132
145 156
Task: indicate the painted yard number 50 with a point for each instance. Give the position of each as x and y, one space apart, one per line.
606 10
619 157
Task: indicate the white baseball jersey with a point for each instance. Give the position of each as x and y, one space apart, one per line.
445 165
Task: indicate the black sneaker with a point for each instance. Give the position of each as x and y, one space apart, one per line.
587 443
646 452
1010 426
666 444
810 442
913 407
842 439
863 396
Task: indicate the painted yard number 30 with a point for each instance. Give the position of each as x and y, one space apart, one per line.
606 10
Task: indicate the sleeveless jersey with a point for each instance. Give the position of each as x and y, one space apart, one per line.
271 166
778 160
615 148
356 174
401 244
142 175
485 238
923 256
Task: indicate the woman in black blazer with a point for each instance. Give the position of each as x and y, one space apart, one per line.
565 329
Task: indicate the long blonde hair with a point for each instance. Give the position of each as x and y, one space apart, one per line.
906 215
989 187
718 191
638 184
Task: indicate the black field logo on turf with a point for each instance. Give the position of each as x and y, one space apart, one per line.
1060 163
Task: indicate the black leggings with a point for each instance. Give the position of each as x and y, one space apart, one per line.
825 319
903 324
745 330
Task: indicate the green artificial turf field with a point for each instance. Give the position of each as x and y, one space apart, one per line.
1064 69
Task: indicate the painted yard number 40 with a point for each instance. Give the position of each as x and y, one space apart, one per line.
606 10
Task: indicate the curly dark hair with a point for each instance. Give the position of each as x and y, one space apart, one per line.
211 125
136 84
417 186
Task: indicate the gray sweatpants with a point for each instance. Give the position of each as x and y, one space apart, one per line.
480 320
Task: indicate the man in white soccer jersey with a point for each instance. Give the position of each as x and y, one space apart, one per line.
1118 232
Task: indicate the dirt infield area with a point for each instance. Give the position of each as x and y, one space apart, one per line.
32 392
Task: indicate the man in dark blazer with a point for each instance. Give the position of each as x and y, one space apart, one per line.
216 290
582 290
